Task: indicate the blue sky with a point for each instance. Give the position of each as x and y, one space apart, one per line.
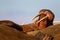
21 11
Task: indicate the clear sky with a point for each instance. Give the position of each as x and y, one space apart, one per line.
21 11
